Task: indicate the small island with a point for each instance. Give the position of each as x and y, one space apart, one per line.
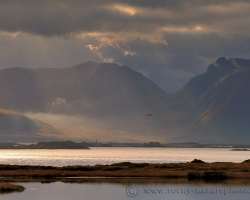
8 187
45 145
240 149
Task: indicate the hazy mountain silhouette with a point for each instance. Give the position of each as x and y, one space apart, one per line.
93 89
101 96
17 127
212 107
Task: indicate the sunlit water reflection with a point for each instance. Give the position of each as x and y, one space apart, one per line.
114 155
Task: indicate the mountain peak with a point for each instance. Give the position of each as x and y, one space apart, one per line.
221 61
222 67
90 87
231 62
217 71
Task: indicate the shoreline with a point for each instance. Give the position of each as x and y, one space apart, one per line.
195 170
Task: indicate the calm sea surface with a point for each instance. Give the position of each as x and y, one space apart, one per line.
107 155
127 191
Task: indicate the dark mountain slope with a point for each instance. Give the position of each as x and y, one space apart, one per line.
95 89
215 106
199 85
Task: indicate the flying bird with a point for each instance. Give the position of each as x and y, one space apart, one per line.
149 115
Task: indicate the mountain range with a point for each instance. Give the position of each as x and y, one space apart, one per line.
106 101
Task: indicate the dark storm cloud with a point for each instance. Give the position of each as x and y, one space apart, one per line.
169 41
62 18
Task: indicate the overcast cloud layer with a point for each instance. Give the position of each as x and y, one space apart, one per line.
169 41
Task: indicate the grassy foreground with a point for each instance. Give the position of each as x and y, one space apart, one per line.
195 170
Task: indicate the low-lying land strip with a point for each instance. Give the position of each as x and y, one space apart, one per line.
8 187
194 170
86 145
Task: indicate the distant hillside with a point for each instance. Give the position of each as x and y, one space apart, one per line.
45 145
17 127
93 89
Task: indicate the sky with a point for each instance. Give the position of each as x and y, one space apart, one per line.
168 41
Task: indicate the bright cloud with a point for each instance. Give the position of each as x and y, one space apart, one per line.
10 34
125 9
97 50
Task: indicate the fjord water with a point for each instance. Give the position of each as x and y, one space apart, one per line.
126 191
138 190
109 155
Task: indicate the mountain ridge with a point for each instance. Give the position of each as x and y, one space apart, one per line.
220 107
211 107
77 87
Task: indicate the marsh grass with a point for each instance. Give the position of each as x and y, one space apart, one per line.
189 170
